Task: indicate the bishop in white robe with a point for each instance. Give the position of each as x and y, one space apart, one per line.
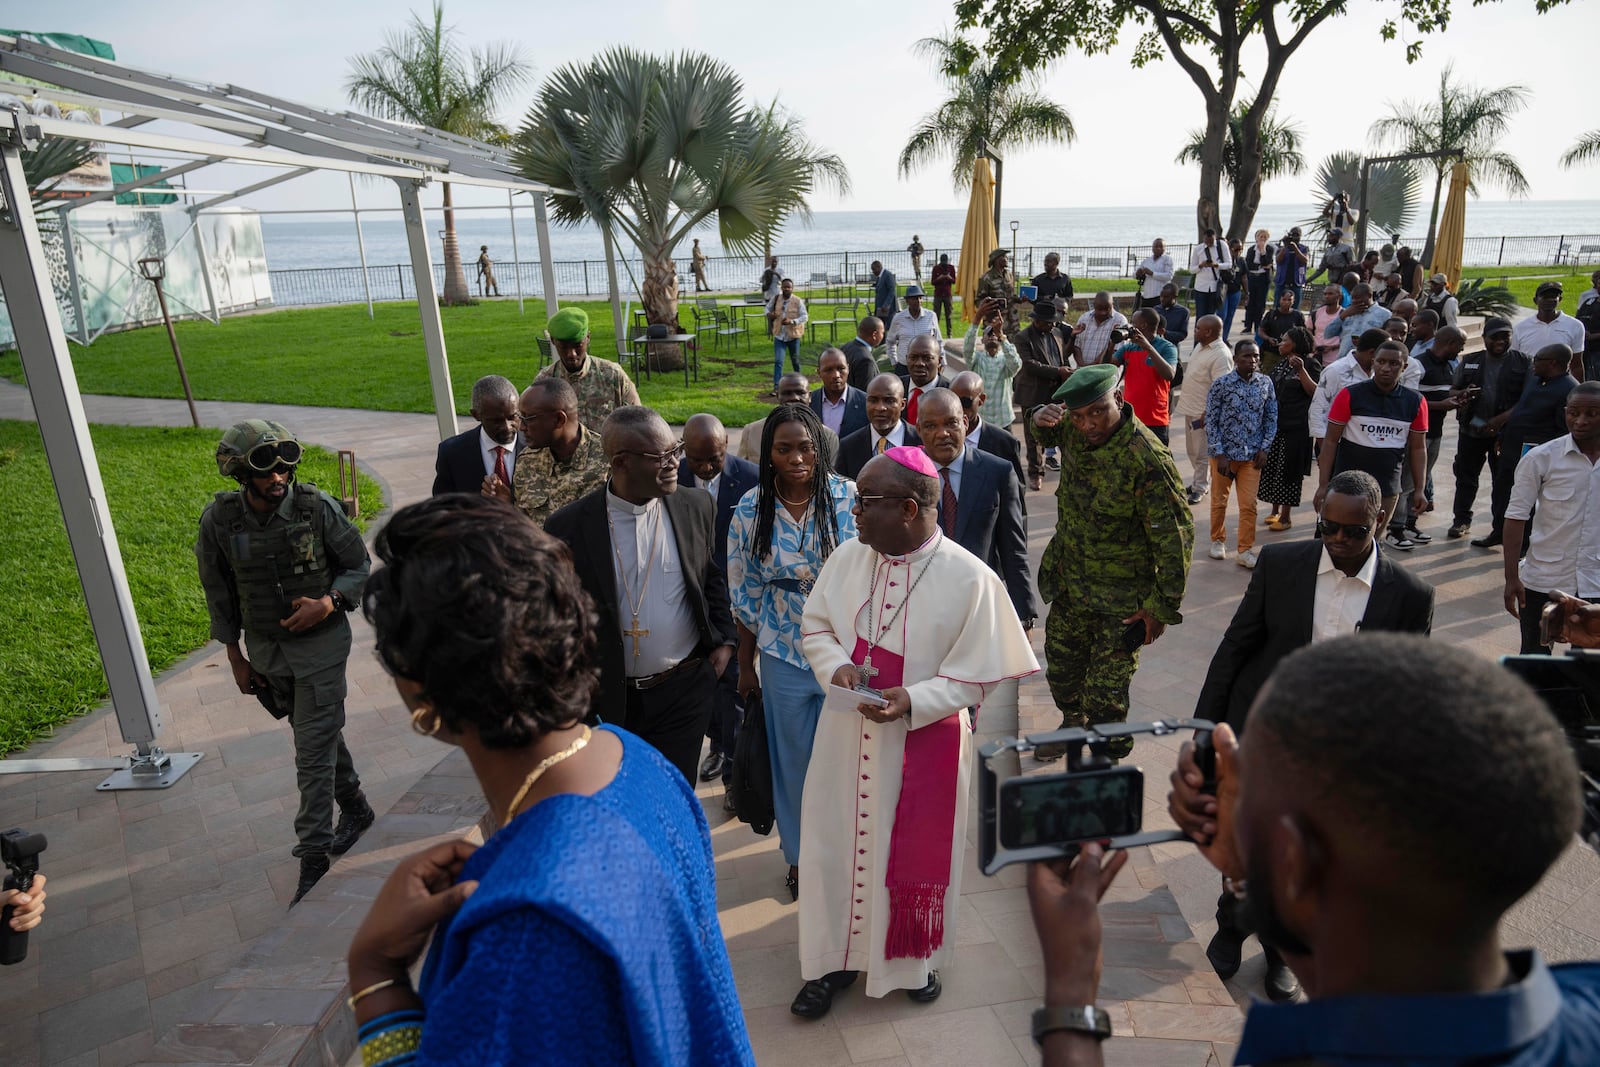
915 615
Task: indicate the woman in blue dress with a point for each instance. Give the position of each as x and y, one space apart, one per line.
781 534
584 931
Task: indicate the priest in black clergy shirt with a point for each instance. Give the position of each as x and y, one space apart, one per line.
644 553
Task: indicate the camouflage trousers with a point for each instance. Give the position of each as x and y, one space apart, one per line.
1086 666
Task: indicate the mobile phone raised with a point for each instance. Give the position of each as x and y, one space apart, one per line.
1071 808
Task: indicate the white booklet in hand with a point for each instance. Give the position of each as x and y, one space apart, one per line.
841 699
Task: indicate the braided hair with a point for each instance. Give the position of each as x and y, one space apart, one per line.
767 491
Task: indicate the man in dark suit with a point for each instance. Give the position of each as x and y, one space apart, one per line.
1044 346
995 440
980 504
924 371
1301 592
470 462
885 294
841 407
886 428
858 352
646 555
707 465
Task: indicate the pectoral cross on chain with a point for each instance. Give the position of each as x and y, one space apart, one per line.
637 633
867 671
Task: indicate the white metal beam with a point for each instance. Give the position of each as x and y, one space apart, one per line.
547 267
265 183
444 401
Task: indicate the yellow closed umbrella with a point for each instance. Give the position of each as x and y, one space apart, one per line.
1447 247
978 239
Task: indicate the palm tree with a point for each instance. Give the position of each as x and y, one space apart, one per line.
1391 192
1587 149
984 106
1462 117
421 75
1280 156
654 146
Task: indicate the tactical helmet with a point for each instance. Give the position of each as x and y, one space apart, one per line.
256 447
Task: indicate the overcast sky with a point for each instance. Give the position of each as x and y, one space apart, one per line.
848 70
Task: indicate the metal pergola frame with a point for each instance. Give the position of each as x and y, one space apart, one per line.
234 125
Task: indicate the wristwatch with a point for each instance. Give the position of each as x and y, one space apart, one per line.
340 603
1084 1019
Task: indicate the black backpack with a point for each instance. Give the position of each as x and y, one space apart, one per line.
751 785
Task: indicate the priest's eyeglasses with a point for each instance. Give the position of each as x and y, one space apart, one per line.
664 459
867 498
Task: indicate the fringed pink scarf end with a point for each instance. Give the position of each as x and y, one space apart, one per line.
916 921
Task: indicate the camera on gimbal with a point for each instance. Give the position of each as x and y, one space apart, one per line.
1047 816
19 851
1570 687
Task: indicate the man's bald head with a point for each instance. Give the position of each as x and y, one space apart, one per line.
923 360
704 430
553 394
794 388
939 401
924 344
1207 328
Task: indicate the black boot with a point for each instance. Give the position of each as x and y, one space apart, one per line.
1227 946
312 868
1281 983
354 819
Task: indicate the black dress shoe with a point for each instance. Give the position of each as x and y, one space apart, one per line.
1493 540
711 766
727 803
791 881
816 996
1281 983
1225 951
928 993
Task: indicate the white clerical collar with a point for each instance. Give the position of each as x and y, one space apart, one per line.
617 504
917 552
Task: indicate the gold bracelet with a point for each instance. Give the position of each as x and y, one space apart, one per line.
373 988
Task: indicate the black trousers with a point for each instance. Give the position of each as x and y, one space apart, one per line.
673 716
1529 622
727 715
942 302
1206 303
1471 455
1255 305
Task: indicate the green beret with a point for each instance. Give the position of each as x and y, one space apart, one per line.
1087 385
569 324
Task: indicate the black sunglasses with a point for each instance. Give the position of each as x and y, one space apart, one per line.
1354 531
967 401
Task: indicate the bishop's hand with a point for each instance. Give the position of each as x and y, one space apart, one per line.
847 677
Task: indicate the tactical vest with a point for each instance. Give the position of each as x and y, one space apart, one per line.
274 565
1436 304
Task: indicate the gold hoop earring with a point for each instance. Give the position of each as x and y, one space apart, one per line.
416 721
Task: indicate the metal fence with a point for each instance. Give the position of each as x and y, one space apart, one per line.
587 277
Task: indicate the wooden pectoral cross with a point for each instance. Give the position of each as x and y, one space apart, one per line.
637 633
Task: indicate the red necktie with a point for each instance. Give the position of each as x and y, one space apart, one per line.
911 408
947 504
500 465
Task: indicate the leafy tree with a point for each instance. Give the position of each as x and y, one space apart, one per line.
1460 116
421 75
1391 192
653 146
1280 151
987 104
1207 39
1586 150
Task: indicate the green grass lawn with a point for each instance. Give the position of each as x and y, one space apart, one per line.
157 481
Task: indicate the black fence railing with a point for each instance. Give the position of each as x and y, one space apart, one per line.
587 277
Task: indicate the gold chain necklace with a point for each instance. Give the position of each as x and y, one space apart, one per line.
538 772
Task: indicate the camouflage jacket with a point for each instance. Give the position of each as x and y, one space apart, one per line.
541 485
1124 531
602 386
1002 285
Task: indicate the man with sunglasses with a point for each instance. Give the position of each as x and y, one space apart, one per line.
1301 593
281 564
645 554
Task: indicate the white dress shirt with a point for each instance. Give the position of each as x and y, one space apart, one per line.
833 410
907 328
487 445
896 437
1206 279
647 569
712 486
1161 272
1339 374
1532 334
1564 550
1340 600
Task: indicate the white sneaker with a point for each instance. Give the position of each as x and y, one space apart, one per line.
1247 560
1219 550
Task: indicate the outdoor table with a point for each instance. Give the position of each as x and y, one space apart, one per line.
638 346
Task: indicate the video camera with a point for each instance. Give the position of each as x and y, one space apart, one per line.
19 851
1047 816
1570 687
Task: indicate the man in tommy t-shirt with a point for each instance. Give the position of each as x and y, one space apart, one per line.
1376 426
1149 363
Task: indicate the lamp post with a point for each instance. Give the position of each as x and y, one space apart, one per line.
1014 225
154 268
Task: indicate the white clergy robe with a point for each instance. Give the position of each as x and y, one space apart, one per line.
958 637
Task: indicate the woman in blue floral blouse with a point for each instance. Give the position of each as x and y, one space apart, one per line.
782 532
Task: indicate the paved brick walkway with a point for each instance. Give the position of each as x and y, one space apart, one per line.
161 900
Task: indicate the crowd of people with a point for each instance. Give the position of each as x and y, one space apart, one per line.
591 601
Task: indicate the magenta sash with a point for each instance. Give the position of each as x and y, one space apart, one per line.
924 824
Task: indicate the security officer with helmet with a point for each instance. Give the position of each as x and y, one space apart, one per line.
282 564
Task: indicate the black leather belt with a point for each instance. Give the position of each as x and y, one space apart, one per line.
650 681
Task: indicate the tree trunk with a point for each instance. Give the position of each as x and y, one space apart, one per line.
1433 221
1207 208
1247 185
658 292
455 279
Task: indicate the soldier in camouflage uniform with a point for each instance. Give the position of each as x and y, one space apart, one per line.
602 386
998 282
280 562
1120 554
563 459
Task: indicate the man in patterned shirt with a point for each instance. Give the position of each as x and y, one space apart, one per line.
563 459
1241 421
602 386
994 359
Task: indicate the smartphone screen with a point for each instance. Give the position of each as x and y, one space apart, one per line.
1570 688
1062 808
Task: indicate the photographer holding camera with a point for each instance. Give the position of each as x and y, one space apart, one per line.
1379 854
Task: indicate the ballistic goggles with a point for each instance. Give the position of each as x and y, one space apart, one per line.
266 457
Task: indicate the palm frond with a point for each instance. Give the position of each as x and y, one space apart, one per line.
1392 199
1585 150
